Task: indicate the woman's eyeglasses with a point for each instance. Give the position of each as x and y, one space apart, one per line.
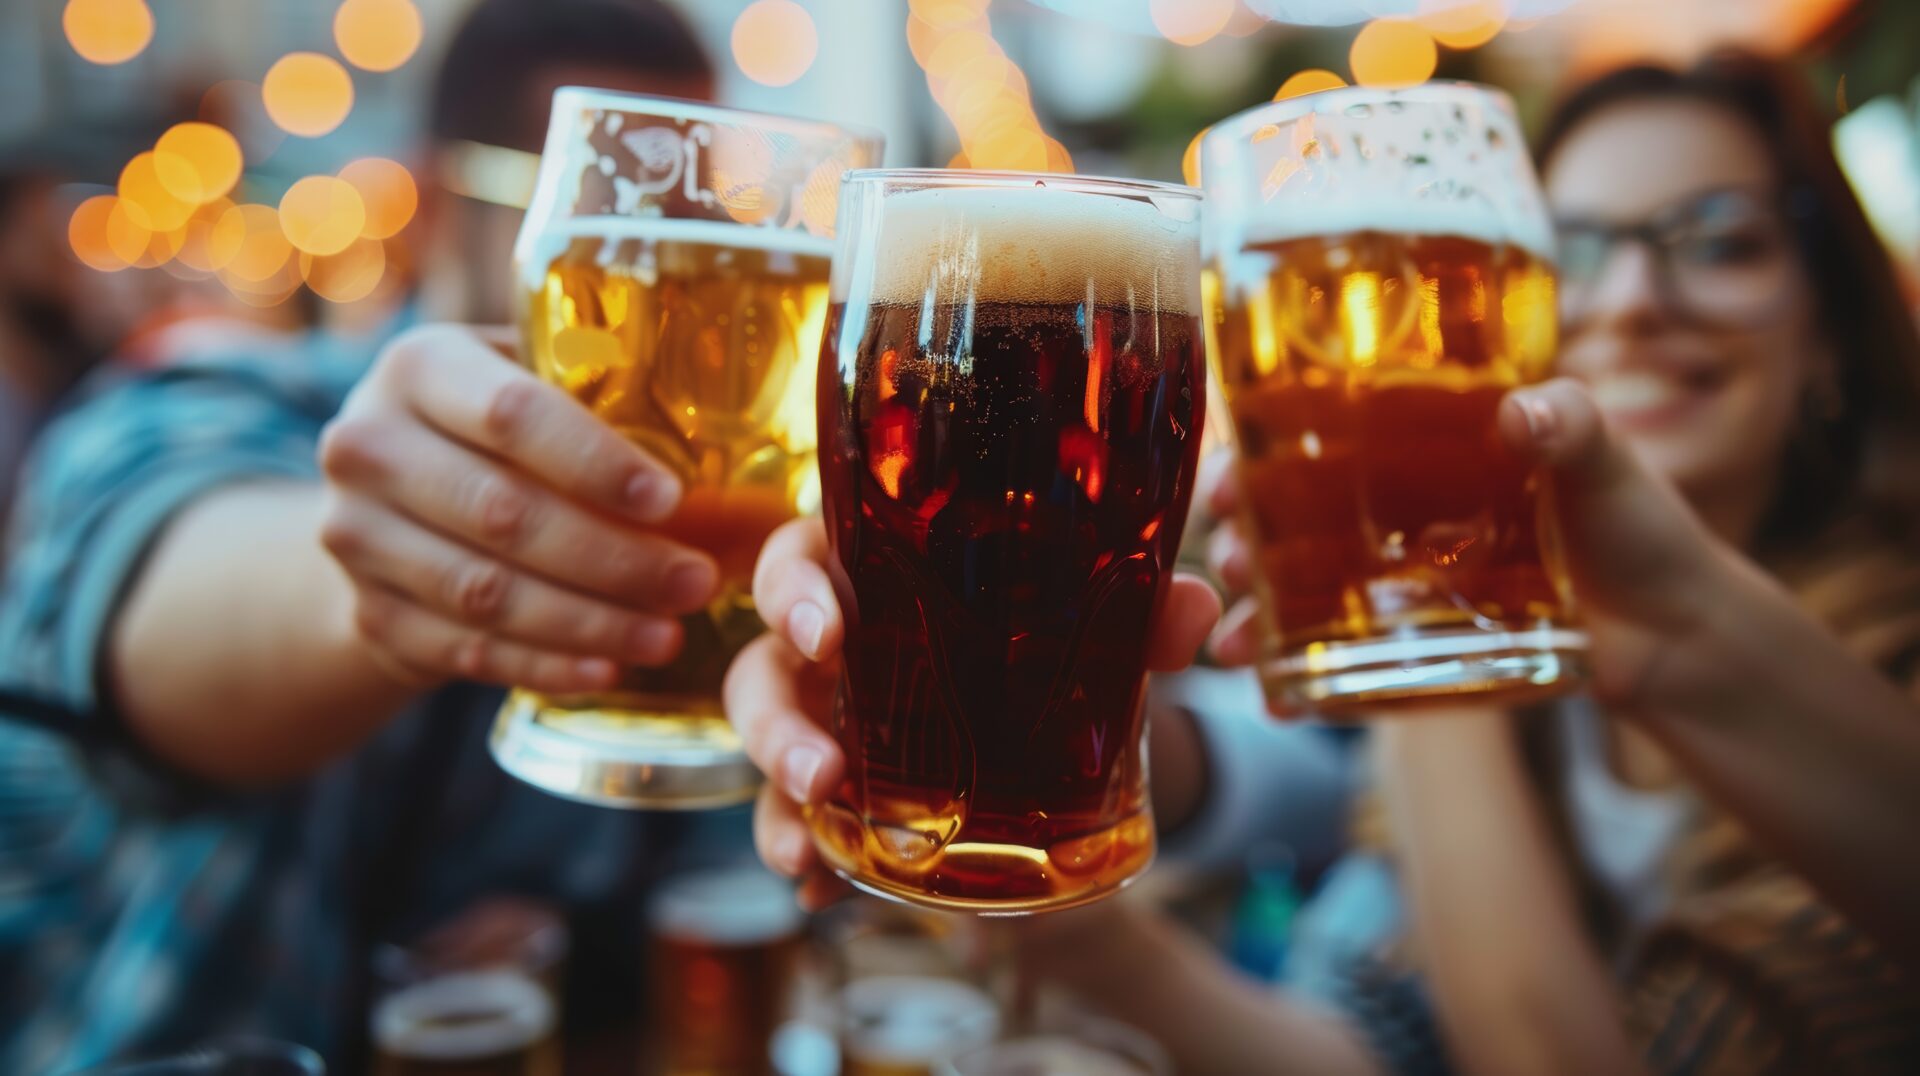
1725 256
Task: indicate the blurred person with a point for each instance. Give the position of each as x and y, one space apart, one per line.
46 345
252 616
1706 867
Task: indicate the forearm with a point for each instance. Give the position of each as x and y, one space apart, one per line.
233 655
1518 986
1814 751
1152 974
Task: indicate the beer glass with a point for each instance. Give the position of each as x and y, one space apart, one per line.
673 278
1382 275
481 995
726 945
1011 393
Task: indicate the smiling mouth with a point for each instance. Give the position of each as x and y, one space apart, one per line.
1644 397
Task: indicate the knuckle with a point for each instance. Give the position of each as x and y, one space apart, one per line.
627 568
507 410
342 535
499 508
372 616
471 655
477 590
349 448
604 631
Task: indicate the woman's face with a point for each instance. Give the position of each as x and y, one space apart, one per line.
1695 326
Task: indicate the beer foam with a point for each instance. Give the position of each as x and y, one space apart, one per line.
746 906
908 1020
464 1016
1464 220
1034 244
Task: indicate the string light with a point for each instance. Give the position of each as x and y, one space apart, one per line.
87 234
197 162
387 190
774 41
107 31
1190 22
307 94
1392 52
982 92
1463 24
377 35
1312 80
322 214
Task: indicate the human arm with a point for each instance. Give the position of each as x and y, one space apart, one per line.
1518 983
249 619
1147 971
1812 748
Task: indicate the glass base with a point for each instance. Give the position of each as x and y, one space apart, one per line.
1347 680
989 879
639 759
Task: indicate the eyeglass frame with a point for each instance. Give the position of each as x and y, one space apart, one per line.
1791 211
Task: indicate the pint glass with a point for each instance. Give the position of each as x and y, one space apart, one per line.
1382 276
1011 393
672 276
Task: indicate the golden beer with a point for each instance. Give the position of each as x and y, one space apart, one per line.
672 276
1381 280
703 353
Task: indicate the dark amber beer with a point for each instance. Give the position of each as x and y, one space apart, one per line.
726 944
672 277
1011 396
1381 279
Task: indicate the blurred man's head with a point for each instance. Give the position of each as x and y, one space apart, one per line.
493 93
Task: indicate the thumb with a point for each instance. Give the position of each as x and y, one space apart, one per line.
1633 545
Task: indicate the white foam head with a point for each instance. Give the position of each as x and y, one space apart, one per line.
745 906
914 1019
465 1016
1431 160
1034 244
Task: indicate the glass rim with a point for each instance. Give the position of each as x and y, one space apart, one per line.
1431 92
664 106
1014 180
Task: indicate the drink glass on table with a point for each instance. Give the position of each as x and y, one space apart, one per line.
1381 274
725 946
673 278
1011 396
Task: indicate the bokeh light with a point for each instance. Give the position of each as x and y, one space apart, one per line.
346 277
133 242
322 214
146 200
87 234
107 31
1392 52
388 192
271 290
1190 22
945 14
1463 24
307 94
774 41
1190 160
1312 80
211 237
197 162
377 35
259 248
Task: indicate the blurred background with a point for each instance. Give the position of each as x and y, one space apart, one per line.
251 157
